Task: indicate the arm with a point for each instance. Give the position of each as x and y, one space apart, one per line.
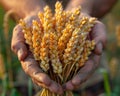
23 8
85 4
96 8
102 7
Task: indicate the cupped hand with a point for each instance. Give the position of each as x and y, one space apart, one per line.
29 65
98 34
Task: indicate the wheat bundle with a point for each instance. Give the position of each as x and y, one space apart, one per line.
60 43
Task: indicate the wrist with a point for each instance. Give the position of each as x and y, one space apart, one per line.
23 8
33 7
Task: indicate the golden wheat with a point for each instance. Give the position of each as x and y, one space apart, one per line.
60 43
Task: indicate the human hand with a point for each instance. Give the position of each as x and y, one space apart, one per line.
29 64
98 34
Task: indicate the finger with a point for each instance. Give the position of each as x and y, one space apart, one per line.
83 74
99 35
68 86
18 46
52 86
87 70
38 83
79 78
31 67
55 88
45 82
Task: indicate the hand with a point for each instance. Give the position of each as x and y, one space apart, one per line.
98 34
28 63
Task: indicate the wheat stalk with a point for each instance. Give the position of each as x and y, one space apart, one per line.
60 43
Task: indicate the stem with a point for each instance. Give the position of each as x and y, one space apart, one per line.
106 84
71 67
6 35
76 71
60 77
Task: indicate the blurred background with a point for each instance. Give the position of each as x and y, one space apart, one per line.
14 82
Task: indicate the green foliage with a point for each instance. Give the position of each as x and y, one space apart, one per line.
30 87
10 61
14 92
